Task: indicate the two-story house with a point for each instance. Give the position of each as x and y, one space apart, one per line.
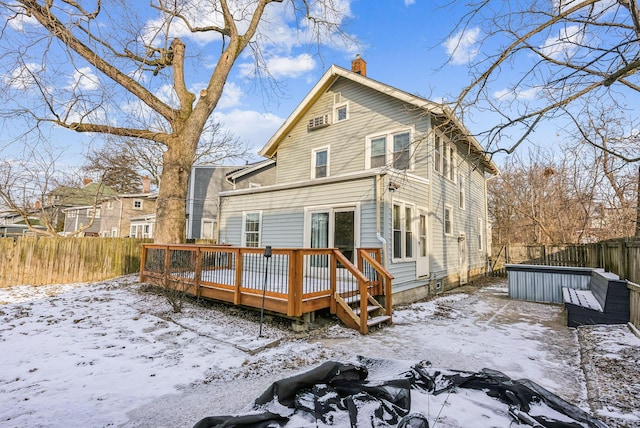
360 164
129 215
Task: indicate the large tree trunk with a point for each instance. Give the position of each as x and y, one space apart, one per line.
172 196
638 207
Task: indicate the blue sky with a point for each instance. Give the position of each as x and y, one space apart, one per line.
406 44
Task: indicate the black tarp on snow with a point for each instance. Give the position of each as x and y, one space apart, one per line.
339 394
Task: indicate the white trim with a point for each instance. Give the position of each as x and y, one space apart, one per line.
462 192
244 224
202 228
133 204
403 232
388 135
444 220
314 153
337 107
332 209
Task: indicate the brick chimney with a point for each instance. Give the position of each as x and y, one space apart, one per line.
146 184
359 65
86 181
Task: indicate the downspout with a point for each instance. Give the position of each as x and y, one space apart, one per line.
379 201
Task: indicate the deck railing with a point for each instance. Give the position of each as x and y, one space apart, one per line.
294 281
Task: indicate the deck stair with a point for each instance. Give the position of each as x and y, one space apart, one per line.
350 307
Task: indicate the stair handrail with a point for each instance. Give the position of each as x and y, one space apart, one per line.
382 272
363 285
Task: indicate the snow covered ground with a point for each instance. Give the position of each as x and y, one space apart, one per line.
113 354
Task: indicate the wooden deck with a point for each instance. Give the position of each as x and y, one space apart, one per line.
293 281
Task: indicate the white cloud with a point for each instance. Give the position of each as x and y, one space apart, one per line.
409 2
22 77
231 96
283 67
84 79
463 47
20 21
510 94
252 127
565 44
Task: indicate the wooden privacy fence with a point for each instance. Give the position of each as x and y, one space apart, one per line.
39 261
620 256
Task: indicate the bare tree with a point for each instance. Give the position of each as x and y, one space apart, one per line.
35 190
124 162
540 199
533 61
130 64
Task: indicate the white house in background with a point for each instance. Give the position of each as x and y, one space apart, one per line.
360 164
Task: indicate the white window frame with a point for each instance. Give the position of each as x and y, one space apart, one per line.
110 204
114 232
448 208
314 158
205 221
462 192
445 158
133 204
389 161
404 223
72 213
244 228
338 105
90 212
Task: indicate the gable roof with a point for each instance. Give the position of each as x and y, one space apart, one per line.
334 73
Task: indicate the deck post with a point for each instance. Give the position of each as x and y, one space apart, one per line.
198 276
333 282
364 303
237 297
294 292
167 263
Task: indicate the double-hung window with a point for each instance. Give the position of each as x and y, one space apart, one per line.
462 196
402 151
378 151
392 149
445 158
320 163
448 220
251 229
403 234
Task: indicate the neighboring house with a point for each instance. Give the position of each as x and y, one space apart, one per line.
65 199
129 215
207 181
361 164
77 218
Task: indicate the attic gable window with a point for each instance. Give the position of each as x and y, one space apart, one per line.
340 108
137 204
